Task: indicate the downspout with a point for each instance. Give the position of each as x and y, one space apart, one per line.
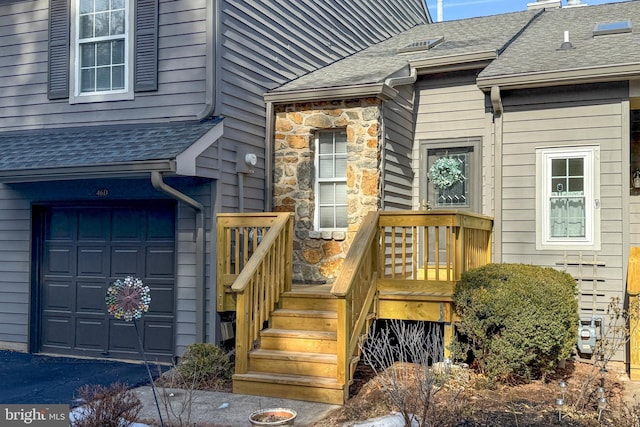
160 185
211 60
496 102
392 82
268 161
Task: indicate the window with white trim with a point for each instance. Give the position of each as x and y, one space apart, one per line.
331 180
102 50
568 200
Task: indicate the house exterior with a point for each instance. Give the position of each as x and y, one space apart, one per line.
539 110
126 125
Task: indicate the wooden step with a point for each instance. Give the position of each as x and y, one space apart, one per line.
293 363
312 320
297 300
300 341
312 389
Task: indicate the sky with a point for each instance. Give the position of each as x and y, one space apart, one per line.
460 9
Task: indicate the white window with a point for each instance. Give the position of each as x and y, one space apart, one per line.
568 200
331 180
101 56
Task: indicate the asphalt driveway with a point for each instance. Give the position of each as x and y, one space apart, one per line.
34 379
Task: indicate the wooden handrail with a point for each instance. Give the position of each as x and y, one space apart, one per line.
238 236
355 289
265 276
400 248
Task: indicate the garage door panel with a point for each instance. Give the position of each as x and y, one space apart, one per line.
61 225
160 262
90 333
93 224
90 297
58 332
122 337
155 334
92 261
58 259
159 226
58 296
125 261
127 225
162 299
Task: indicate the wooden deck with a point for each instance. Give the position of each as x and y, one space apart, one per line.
301 341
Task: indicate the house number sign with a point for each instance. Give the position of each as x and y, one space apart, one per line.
102 192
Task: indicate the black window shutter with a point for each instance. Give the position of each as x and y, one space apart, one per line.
58 85
146 46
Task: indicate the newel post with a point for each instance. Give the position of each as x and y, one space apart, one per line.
243 327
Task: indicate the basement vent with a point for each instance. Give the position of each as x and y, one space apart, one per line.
421 45
618 27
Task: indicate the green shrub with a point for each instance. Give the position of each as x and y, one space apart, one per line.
519 320
205 365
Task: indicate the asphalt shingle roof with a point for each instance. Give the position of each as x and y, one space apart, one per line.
98 145
528 42
378 62
538 48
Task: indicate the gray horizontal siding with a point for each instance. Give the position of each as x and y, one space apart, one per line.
15 255
449 107
397 175
267 43
23 98
588 115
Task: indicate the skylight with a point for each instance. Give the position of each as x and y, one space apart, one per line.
618 27
421 45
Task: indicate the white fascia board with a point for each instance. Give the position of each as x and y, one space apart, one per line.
561 77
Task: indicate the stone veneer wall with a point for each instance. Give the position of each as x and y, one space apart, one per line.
318 255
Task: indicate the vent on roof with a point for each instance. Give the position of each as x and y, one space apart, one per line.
421 45
618 27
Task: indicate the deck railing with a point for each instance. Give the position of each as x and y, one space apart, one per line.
418 255
254 266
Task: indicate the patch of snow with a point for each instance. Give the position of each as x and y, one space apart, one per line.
394 419
78 413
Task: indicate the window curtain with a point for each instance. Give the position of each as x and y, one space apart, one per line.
568 217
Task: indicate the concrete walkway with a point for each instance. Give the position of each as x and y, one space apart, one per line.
217 409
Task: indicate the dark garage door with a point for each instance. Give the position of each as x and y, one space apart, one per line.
83 250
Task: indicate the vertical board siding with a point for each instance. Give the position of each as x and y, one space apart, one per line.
397 179
449 107
588 115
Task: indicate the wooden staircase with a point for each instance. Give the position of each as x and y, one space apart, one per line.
296 355
302 342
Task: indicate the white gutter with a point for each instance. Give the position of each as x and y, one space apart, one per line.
471 59
561 77
201 300
404 80
380 90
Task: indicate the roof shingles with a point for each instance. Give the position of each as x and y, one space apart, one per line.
98 145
